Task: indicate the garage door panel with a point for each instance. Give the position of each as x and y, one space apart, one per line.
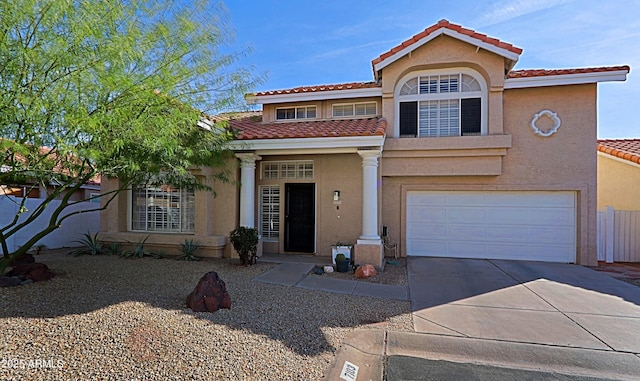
494 224
425 231
551 235
421 213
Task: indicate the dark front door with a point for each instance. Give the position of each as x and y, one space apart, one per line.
299 218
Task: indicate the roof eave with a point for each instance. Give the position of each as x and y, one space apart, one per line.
509 55
314 95
333 144
566 79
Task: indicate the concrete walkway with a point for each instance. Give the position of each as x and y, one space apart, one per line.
295 271
543 317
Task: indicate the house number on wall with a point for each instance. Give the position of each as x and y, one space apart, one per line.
549 114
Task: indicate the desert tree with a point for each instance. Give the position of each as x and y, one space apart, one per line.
119 89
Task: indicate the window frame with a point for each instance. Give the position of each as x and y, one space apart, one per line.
296 111
353 110
482 94
273 234
300 170
182 194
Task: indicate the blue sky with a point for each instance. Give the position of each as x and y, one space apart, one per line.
298 43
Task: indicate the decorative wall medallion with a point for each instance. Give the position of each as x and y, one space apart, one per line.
545 132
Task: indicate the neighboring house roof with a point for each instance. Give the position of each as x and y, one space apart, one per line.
626 149
252 128
480 40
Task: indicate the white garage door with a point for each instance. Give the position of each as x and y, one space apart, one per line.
539 226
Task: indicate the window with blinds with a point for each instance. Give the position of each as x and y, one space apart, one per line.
276 170
436 105
163 209
306 112
270 212
354 109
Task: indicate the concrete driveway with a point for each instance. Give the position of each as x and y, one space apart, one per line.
524 302
495 319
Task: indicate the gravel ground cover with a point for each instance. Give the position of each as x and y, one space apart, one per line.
394 273
109 318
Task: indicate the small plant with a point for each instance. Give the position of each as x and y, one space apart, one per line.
342 263
189 248
39 249
139 251
114 248
92 245
245 242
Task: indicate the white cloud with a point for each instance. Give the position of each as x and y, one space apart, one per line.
505 11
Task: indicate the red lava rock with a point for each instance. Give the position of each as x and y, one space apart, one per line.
366 271
209 295
35 271
23 260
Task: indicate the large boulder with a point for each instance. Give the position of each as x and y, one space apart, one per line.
365 271
23 260
209 295
35 271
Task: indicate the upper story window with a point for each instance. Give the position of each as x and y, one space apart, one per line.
305 112
354 109
441 103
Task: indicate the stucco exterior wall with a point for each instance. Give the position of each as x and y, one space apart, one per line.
440 53
324 108
216 214
560 162
618 183
334 221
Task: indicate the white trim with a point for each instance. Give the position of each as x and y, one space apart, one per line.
314 95
619 159
462 37
484 95
550 114
340 144
566 79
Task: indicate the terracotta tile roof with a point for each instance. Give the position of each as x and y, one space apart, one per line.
317 88
227 116
252 128
544 72
454 27
627 149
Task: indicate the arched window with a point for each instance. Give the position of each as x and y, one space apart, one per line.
441 103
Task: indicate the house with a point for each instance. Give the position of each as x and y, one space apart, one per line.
619 174
449 148
30 187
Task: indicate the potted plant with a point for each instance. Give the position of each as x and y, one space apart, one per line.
340 248
342 263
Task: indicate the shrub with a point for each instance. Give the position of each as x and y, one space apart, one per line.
189 248
245 242
91 245
139 251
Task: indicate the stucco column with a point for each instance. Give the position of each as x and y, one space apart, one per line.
247 188
369 197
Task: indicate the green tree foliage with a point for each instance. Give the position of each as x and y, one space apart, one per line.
117 88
